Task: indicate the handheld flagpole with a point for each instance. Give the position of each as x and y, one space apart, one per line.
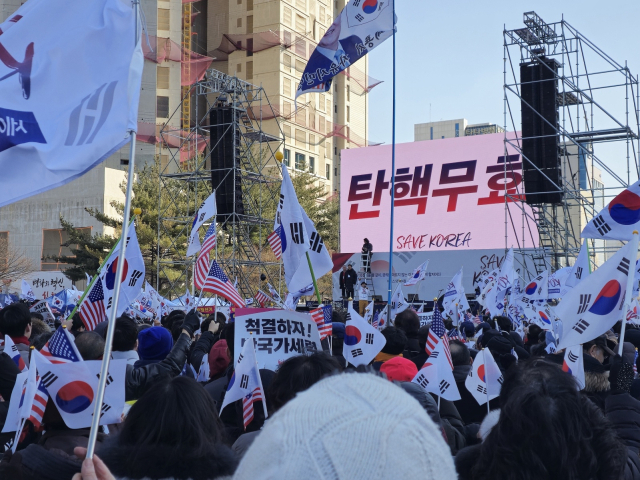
106 357
484 364
393 164
627 297
97 275
313 277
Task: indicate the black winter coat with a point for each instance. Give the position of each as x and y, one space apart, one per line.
623 412
468 407
139 380
350 278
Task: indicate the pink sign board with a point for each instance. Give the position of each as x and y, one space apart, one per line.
449 195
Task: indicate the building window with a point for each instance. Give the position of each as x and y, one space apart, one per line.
164 162
287 38
301 24
249 70
286 129
301 47
287 109
162 77
239 68
443 137
327 171
162 107
299 161
348 94
287 63
301 118
164 16
335 108
312 140
249 4
312 165
301 138
286 87
335 171
321 15
52 241
322 124
348 114
287 157
286 16
239 2
457 129
250 24
301 4
300 66
249 47
431 133
239 22
124 161
4 249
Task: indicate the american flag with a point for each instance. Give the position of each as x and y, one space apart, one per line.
202 263
437 332
218 284
374 320
60 348
275 243
92 310
454 334
323 317
262 298
247 405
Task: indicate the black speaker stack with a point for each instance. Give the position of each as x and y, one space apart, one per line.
539 104
225 156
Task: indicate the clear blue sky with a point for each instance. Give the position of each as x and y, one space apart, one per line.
449 55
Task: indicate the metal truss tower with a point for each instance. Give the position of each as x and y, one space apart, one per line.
595 135
232 155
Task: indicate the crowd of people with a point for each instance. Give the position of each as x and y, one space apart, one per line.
328 421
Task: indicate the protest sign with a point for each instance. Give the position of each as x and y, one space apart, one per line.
425 318
277 335
42 307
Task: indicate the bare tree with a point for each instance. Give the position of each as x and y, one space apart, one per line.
13 263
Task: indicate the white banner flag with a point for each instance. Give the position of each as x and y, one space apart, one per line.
436 375
70 74
207 210
580 269
619 219
362 342
485 379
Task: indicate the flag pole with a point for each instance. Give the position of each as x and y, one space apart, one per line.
627 298
393 165
106 357
313 277
96 276
484 363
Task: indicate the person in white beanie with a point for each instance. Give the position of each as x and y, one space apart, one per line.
349 426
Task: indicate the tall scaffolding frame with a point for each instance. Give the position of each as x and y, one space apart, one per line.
191 171
597 129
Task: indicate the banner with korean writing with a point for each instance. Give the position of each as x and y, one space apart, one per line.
449 195
277 334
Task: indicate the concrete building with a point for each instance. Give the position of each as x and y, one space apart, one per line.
324 123
452 129
32 226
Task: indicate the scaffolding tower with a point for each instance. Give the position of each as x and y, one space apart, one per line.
596 131
246 173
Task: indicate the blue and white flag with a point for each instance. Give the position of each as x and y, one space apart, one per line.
360 27
70 74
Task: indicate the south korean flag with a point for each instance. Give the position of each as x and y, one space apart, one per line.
436 375
73 390
597 302
619 219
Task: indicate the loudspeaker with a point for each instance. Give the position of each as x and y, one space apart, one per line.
225 155
539 106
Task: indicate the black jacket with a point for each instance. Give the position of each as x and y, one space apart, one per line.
341 278
139 380
468 407
202 347
413 347
350 278
170 461
623 412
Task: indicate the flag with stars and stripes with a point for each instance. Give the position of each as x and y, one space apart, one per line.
323 317
92 310
437 331
262 298
275 242
218 283
202 263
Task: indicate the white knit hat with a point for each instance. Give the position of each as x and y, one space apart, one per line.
349 426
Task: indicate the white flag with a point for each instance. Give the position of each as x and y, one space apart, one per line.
203 371
418 274
245 382
299 237
27 292
204 213
453 291
368 312
73 389
538 288
574 365
580 269
70 86
596 303
132 274
18 408
557 282
636 279
398 303
507 274
436 375
619 219
362 342
485 379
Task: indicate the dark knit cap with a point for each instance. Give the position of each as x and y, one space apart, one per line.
154 343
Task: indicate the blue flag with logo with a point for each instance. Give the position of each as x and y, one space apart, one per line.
361 26
70 74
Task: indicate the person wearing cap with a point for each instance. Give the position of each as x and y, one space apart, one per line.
399 369
363 297
598 348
